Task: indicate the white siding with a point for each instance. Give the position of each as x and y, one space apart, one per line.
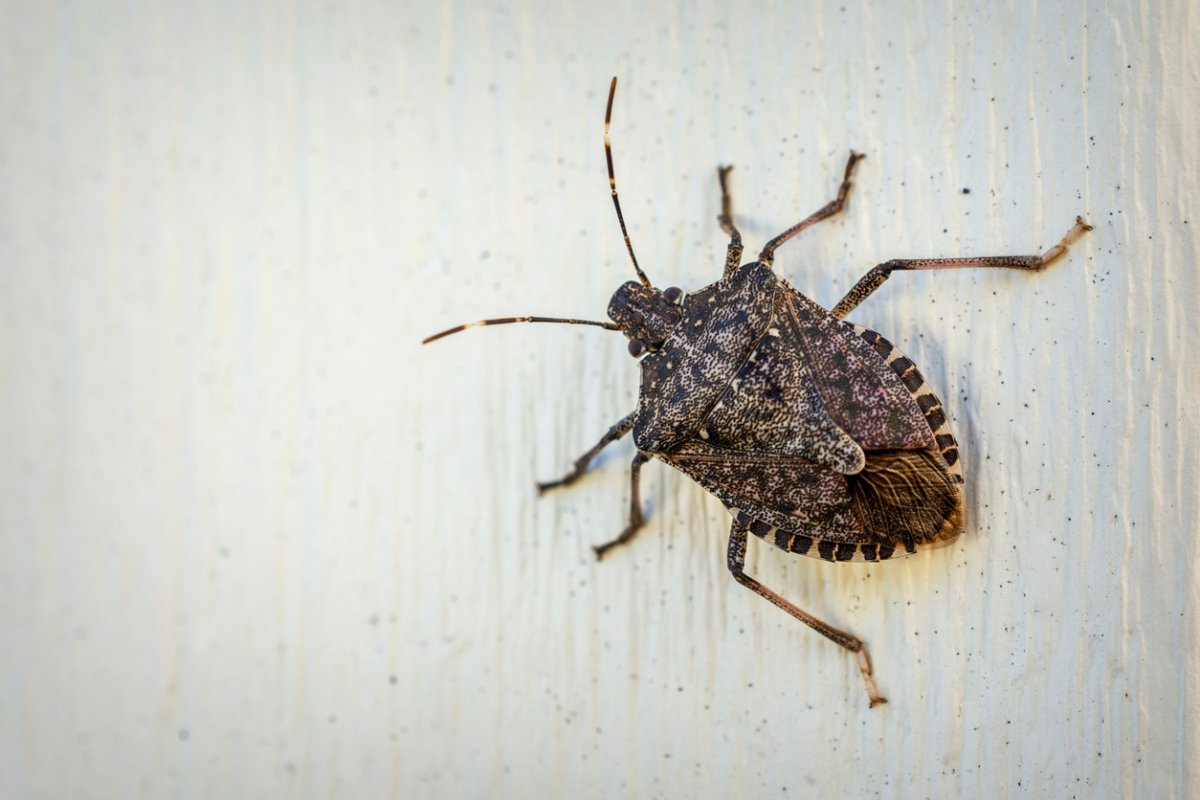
255 541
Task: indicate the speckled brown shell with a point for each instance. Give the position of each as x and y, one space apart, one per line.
818 435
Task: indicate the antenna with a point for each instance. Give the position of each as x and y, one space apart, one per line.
506 320
612 183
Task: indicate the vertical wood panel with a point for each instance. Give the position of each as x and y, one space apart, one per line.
256 541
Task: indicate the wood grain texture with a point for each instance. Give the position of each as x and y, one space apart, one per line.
255 541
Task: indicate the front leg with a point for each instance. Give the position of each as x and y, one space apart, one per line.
635 507
737 563
581 464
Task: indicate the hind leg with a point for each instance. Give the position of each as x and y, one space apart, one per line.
737 563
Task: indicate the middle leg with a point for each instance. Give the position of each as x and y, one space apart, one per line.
635 507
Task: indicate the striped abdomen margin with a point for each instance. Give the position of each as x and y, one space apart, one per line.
926 400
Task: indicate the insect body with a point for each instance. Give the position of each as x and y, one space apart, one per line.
818 435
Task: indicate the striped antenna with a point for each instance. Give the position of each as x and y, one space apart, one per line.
612 183
506 320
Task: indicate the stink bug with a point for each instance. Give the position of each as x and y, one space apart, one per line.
818 435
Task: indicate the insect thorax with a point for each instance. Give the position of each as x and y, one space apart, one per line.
716 330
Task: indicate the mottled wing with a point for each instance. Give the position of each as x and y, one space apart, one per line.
902 500
905 500
907 494
859 391
772 406
785 491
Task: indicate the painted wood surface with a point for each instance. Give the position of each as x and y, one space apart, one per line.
255 541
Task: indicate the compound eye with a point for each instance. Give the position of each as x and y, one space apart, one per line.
636 347
673 294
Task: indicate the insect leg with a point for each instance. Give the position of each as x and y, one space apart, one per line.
635 508
737 562
733 256
879 273
581 464
830 208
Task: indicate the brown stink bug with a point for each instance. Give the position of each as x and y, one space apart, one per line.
818 435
